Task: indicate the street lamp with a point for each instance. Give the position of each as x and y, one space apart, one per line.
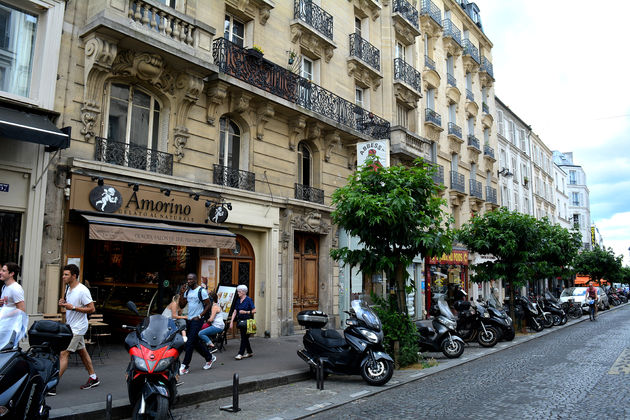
505 172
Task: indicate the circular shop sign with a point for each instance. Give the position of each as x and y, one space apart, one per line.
105 198
218 214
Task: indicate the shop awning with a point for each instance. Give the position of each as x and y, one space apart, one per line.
32 127
582 279
115 229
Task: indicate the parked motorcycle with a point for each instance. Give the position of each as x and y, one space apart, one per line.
552 305
154 347
26 377
474 323
613 299
359 351
545 317
501 319
572 308
530 313
440 333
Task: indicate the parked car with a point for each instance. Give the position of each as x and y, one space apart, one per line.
578 294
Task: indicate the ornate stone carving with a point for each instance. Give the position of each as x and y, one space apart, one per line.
406 96
264 114
331 140
264 13
147 67
296 128
314 130
404 32
215 94
180 138
369 5
310 222
311 43
239 102
363 75
352 156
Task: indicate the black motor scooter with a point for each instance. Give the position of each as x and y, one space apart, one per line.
530 313
501 320
154 347
440 333
360 351
552 305
26 377
474 324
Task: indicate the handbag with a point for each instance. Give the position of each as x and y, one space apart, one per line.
251 326
242 323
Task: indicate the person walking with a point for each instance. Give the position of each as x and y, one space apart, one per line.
198 302
591 294
243 311
216 323
174 312
12 293
78 304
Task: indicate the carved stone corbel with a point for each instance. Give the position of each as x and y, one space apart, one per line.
239 102
188 88
180 138
264 14
296 128
264 114
352 156
314 131
331 140
215 94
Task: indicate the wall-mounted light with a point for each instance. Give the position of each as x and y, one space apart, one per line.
505 172
99 180
194 196
134 185
229 206
209 203
166 191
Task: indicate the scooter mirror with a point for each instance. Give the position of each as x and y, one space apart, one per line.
351 322
132 307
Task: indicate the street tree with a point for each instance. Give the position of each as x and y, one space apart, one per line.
397 214
556 250
599 263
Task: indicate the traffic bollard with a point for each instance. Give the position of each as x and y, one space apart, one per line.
234 407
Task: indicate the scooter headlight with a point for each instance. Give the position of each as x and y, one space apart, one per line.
369 335
486 315
140 364
448 323
163 364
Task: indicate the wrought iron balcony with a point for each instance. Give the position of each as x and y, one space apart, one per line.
430 9
438 176
450 79
406 73
455 130
409 12
488 151
470 96
451 31
362 49
235 178
486 66
473 142
458 183
476 189
235 61
429 63
433 117
471 50
485 108
315 16
491 195
133 156
307 193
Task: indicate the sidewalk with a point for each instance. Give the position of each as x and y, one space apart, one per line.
275 363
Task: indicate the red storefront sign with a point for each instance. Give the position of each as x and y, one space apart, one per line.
456 257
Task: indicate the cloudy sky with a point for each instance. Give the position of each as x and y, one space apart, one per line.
564 68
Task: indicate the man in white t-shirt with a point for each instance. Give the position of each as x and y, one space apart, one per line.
12 293
78 304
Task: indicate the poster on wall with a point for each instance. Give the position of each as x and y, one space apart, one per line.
225 297
377 149
207 271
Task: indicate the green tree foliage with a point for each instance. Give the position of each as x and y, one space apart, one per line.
397 327
557 249
396 214
599 263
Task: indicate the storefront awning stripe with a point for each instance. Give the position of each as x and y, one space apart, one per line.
31 127
115 229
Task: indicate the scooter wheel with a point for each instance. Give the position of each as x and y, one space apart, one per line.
156 408
564 320
557 319
536 325
377 373
509 335
488 338
452 349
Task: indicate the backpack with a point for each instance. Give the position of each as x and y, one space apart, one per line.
205 316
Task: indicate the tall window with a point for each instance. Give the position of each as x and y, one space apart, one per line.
511 132
234 30
358 96
305 167
575 199
471 125
400 51
452 113
500 124
572 178
402 115
357 26
431 99
450 66
17 46
454 162
229 143
134 116
469 81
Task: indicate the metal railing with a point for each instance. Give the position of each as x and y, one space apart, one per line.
365 51
488 151
430 9
486 66
235 61
406 73
454 130
450 79
458 183
471 50
409 12
473 142
485 108
491 195
133 156
307 193
450 30
470 95
438 176
433 117
235 178
476 189
318 18
429 63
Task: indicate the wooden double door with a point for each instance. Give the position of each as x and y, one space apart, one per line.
236 267
305 273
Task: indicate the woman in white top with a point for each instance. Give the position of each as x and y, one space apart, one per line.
173 311
216 323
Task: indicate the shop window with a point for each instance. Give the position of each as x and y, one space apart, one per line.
229 143
305 165
18 31
10 226
234 30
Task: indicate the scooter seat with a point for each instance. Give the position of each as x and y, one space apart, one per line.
45 366
328 338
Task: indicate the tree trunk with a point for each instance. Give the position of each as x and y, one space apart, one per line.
512 306
401 296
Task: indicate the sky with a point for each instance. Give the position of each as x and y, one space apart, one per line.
563 67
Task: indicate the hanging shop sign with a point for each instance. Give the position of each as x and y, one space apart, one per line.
105 198
376 149
217 214
456 257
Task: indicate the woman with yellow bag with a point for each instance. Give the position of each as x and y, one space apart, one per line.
244 315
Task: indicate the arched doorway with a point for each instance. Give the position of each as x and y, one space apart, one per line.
305 273
237 265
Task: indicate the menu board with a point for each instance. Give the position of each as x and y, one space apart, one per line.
225 297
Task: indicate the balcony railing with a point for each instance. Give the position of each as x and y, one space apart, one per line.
450 30
470 96
438 176
315 16
458 182
488 151
430 9
471 50
406 73
429 63
485 108
473 142
133 156
450 79
454 130
486 66
235 178
491 195
476 189
365 51
235 61
407 11
433 117
306 193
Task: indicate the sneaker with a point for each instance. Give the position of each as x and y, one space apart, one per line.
185 338
183 370
238 357
208 365
213 349
178 383
52 392
248 354
91 383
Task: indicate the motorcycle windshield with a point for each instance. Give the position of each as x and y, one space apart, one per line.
494 302
365 314
13 325
156 329
551 297
443 306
